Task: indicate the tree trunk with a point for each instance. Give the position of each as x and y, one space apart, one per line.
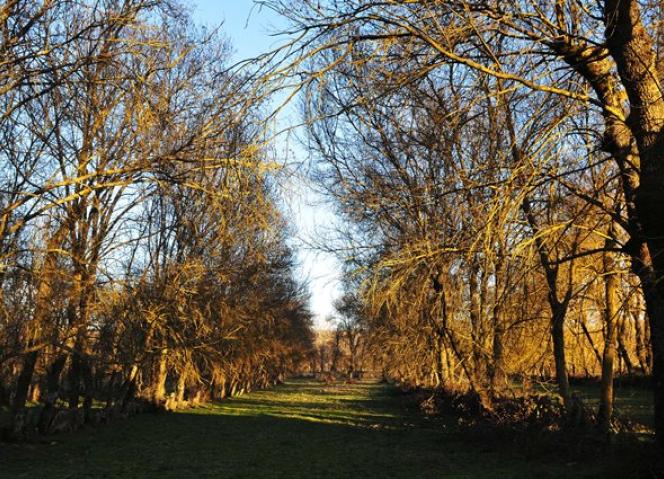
88 387
52 393
224 387
558 307
111 388
21 395
611 311
128 389
475 319
655 309
44 294
641 345
182 382
631 46
75 378
622 347
497 375
559 311
159 393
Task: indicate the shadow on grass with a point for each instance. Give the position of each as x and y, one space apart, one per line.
299 430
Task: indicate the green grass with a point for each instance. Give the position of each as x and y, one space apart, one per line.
636 404
302 429
630 402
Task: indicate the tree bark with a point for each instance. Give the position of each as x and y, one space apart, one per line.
182 382
497 375
622 347
475 319
558 309
159 393
641 345
611 311
52 393
44 294
632 49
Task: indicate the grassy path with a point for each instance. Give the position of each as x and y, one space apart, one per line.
299 430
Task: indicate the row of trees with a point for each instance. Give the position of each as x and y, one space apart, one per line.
501 167
142 251
343 350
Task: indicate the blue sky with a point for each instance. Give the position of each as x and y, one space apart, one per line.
250 30
247 25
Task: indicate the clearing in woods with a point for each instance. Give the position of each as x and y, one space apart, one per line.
302 429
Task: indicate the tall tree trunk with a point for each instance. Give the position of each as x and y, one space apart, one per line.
110 388
497 376
475 319
182 383
641 344
75 380
23 381
559 311
558 307
632 48
159 393
655 310
622 347
128 390
52 393
81 368
611 311
41 313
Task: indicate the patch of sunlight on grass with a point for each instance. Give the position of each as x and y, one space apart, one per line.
309 401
